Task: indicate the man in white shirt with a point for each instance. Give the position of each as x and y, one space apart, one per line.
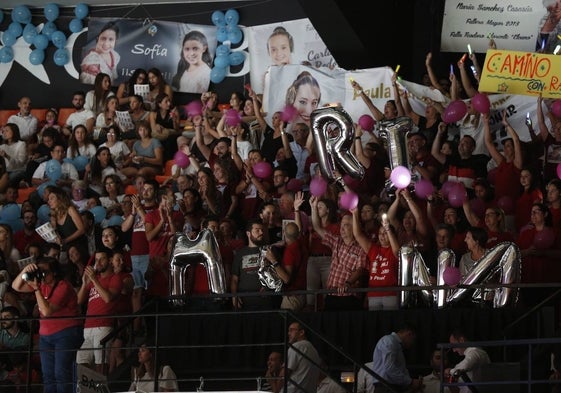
304 371
82 116
474 360
69 172
26 122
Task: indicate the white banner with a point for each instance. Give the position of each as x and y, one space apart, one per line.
291 42
514 25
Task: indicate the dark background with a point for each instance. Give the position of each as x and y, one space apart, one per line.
396 32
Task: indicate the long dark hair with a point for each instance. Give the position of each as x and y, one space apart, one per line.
183 65
132 80
96 169
100 95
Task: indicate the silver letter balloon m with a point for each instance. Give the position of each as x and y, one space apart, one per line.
188 253
333 132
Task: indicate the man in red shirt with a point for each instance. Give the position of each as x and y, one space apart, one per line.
27 235
101 289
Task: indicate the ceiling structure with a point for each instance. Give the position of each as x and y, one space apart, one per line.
9 4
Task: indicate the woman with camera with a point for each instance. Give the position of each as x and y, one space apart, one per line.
59 337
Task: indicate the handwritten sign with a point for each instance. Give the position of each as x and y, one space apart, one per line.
526 73
512 25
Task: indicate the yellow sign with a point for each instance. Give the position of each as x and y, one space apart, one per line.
526 73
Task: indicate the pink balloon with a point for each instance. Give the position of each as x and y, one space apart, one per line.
446 187
181 159
506 203
544 238
454 112
478 207
491 176
289 113
559 170
262 169
481 103
294 185
457 195
423 188
348 200
194 108
556 108
318 186
452 275
367 122
350 181
400 176
232 117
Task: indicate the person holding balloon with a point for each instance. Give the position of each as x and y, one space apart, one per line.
383 263
48 172
540 246
406 216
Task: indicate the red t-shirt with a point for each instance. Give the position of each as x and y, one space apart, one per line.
21 240
296 255
537 268
98 306
382 270
507 181
64 296
524 207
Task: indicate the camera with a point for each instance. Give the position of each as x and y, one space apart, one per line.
35 275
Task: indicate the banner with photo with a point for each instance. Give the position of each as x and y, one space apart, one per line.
290 42
514 25
525 73
308 88
119 46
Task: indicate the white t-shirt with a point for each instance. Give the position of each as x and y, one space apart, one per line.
80 117
27 125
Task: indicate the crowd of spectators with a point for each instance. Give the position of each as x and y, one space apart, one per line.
123 189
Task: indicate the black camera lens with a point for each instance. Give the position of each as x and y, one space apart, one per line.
32 276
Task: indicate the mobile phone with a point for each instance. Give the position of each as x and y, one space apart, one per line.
557 49
451 69
473 70
469 49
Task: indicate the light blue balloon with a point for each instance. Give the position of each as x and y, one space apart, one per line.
41 41
80 162
221 34
21 14
29 33
222 61
218 18
235 36
217 74
43 214
222 50
42 186
8 38
114 220
59 39
51 12
236 57
99 213
15 28
53 169
6 54
81 10
16 224
75 25
37 56
48 29
232 17
61 57
10 212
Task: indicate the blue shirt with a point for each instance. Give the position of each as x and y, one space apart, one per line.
389 361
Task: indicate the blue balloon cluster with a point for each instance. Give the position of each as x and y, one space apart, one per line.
99 213
228 33
21 26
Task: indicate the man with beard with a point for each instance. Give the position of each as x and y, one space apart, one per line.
245 272
100 289
82 116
